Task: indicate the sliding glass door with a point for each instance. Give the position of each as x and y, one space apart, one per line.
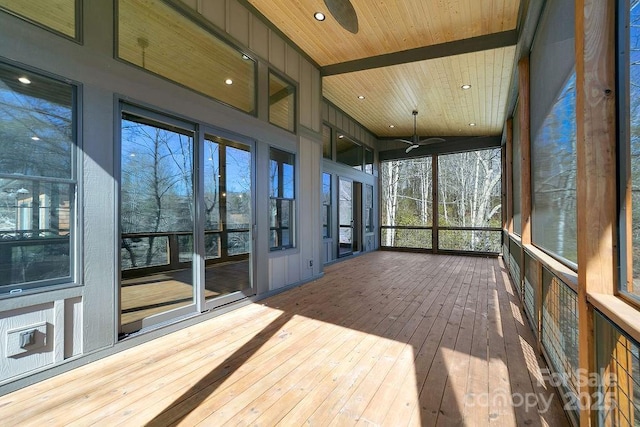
228 219
186 219
156 221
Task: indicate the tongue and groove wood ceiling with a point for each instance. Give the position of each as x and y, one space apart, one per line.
411 54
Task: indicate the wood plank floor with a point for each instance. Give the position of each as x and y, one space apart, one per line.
389 339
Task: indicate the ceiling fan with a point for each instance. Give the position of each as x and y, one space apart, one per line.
344 13
415 141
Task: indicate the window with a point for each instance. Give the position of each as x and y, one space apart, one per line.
470 201
326 142
406 203
282 199
368 161
326 205
368 209
553 178
38 180
516 182
630 152
553 133
58 15
349 152
156 37
156 193
282 103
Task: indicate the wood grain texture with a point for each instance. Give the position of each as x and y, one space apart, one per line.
59 15
433 88
387 26
596 175
382 339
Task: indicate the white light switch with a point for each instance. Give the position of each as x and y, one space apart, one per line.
26 339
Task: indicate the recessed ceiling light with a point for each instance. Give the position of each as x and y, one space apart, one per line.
35 138
340 136
228 81
465 87
392 126
361 97
319 16
472 124
24 80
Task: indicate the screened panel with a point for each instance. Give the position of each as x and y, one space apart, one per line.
554 169
406 238
553 132
59 15
407 192
156 37
631 285
516 170
470 240
469 189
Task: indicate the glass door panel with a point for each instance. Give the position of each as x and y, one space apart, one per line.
156 217
228 219
345 217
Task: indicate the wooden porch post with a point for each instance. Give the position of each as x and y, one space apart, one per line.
596 175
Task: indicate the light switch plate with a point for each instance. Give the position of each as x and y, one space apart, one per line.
14 341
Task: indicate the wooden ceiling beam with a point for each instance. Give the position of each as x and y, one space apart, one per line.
458 47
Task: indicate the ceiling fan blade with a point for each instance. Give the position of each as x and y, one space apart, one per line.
406 141
344 13
411 148
430 140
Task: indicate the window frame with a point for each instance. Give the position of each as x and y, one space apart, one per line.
369 209
327 207
624 178
75 277
294 87
330 128
77 37
292 200
343 135
368 167
204 24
